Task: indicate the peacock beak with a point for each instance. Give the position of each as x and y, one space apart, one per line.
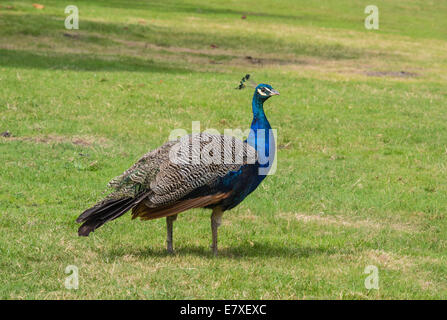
274 92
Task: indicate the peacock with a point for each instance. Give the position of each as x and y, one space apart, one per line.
175 177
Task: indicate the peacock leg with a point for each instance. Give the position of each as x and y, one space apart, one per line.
216 219
169 223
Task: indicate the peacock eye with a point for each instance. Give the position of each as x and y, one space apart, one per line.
263 89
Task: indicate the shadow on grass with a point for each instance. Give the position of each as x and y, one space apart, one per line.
82 62
260 250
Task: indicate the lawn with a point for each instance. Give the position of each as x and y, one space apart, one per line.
362 156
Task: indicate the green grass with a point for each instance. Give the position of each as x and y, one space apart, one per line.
361 176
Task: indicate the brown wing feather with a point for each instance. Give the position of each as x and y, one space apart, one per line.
145 213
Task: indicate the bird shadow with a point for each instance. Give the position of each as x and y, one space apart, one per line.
257 250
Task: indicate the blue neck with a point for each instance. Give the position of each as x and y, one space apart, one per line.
259 119
260 135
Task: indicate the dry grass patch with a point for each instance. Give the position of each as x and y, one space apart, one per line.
343 221
390 260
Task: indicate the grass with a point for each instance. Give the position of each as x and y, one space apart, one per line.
361 160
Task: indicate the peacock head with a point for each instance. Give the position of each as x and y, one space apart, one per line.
262 91
265 91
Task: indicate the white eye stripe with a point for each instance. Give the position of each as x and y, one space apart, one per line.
261 93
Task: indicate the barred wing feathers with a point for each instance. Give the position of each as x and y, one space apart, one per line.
215 157
192 167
